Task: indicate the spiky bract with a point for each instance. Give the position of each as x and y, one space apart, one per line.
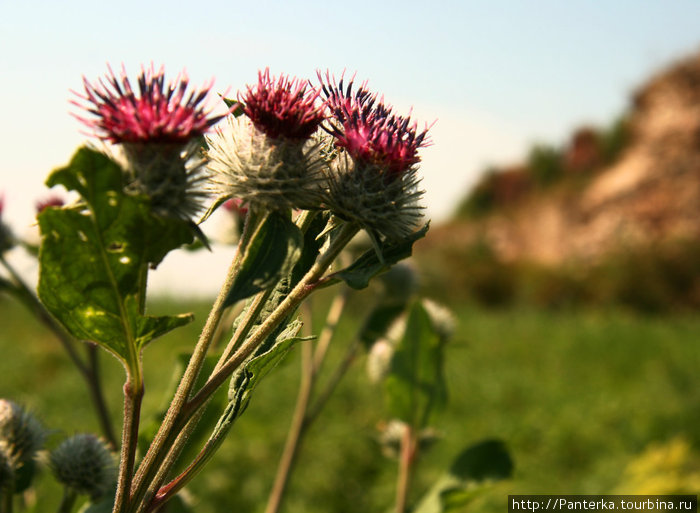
84 464
261 171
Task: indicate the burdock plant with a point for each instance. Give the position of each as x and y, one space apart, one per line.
308 168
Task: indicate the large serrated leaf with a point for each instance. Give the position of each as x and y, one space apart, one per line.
472 471
415 386
369 265
94 255
270 255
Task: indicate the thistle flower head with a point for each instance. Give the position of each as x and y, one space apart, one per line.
158 127
84 464
272 174
373 179
21 435
282 107
368 129
155 113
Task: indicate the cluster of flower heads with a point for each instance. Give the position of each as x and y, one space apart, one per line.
82 462
274 156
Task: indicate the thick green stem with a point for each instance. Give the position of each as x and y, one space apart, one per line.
195 405
68 501
311 365
300 292
133 396
160 446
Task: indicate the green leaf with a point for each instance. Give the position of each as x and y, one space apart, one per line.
270 255
474 469
245 380
94 257
415 386
359 274
238 111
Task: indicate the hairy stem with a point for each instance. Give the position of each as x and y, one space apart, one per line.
296 431
68 500
172 422
300 292
310 366
133 396
406 459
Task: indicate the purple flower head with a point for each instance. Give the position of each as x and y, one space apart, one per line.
368 129
50 201
282 107
155 113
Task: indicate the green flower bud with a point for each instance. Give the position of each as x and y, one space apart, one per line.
7 474
170 174
84 463
364 193
21 437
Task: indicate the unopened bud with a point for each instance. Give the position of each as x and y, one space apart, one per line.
21 437
84 464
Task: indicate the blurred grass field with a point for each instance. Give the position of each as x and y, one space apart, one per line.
579 397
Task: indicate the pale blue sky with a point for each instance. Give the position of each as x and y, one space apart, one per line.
496 75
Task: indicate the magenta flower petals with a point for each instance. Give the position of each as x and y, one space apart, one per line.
369 130
373 179
283 107
156 113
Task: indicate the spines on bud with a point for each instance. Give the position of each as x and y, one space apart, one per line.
266 173
374 180
268 158
21 437
84 464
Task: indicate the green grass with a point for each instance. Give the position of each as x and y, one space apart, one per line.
575 395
